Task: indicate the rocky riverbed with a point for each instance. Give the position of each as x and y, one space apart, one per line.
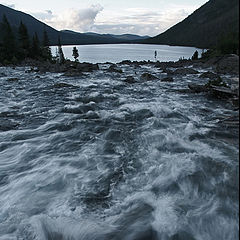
127 151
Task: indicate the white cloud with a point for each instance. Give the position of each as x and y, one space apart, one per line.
80 20
140 21
9 5
43 16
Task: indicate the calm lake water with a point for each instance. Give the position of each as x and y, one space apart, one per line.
134 52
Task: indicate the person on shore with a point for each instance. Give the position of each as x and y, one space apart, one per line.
155 55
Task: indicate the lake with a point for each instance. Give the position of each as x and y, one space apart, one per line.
135 52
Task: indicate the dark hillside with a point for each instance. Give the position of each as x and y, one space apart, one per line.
67 37
203 28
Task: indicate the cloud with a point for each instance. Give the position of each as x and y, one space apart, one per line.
80 20
9 5
43 16
140 21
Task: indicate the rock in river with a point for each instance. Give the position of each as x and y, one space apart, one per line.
185 71
167 79
148 77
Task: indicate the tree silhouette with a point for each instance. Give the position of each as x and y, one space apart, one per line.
46 50
75 54
35 48
24 42
8 46
60 56
195 55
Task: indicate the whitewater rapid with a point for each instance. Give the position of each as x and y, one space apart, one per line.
96 158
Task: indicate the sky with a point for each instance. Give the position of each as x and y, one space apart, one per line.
142 17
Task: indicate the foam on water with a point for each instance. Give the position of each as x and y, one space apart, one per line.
102 159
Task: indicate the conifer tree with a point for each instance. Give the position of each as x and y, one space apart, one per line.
61 57
75 54
46 50
195 55
8 51
35 48
24 43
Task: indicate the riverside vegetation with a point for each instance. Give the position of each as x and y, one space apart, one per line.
18 49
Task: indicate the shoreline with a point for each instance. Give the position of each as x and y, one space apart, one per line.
214 69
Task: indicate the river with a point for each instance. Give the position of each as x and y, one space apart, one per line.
96 158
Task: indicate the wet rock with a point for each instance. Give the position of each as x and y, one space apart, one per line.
196 88
130 79
209 75
167 79
2 74
148 77
32 69
114 135
127 62
182 236
87 67
168 71
235 102
63 85
139 115
216 82
223 92
113 68
185 71
13 79
232 121
73 73
228 64
7 125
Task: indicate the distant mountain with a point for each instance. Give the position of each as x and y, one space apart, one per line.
125 37
204 27
67 37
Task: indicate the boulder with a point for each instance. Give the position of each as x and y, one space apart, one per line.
196 88
113 68
232 121
223 92
63 85
167 79
130 79
209 75
13 79
87 67
139 115
2 74
148 77
73 73
127 62
228 64
185 71
168 71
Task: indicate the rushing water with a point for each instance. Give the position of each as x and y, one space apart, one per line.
135 52
106 160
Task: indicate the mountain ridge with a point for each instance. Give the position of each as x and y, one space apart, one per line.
67 37
204 27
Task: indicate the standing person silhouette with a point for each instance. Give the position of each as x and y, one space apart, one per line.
155 54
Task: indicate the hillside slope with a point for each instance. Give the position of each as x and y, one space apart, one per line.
67 37
204 27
